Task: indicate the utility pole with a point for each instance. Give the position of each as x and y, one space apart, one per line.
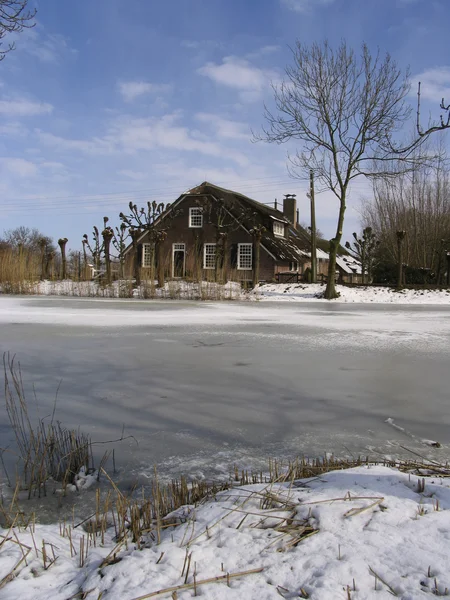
313 229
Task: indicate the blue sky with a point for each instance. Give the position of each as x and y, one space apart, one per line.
116 100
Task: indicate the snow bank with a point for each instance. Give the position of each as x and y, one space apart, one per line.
367 532
182 290
313 292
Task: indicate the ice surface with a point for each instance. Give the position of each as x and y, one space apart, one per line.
202 386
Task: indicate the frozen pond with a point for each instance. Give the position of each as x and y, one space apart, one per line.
202 386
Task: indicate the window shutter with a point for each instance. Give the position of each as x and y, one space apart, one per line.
139 253
233 256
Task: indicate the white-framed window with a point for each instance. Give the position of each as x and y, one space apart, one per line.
147 255
244 258
209 256
293 265
278 229
195 216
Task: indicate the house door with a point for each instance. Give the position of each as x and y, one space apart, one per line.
178 260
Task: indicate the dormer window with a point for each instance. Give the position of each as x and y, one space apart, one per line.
195 217
278 229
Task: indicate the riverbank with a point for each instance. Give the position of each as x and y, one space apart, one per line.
287 292
366 532
210 291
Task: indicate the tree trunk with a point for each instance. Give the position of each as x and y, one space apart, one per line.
160 237
43 246
257 242
225 258
400 238
62 244
160 263
50 264
136 270
363 265
313 230
107 237
330 290
448 269
85 263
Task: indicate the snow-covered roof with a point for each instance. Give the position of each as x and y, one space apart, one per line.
319 253
349 264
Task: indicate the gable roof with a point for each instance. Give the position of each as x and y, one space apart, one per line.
292 248
288 248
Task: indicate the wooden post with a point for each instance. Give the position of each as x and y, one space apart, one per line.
313 229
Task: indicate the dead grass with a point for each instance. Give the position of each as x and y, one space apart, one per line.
46 450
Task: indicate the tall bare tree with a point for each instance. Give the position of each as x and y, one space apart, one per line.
418 203
149 219
119 242
107 235
345 110
14 18
62 245
95 247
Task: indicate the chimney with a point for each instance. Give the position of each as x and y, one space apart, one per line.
290 208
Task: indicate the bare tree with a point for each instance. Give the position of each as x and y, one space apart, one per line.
14 18
364 249
346 111
418 203
257 232
119 242
62 244
107 235
95 247
26 237
225 220
149 219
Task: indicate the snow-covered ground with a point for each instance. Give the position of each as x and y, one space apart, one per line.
172 290
365 533
293 292
182 290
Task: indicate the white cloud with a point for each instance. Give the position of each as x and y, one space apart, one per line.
264 51
133 135
94 146
305 6
131 90
435 84
225 128
239 74
47 47
24 108
18 167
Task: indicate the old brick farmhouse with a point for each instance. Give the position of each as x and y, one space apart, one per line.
216 234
